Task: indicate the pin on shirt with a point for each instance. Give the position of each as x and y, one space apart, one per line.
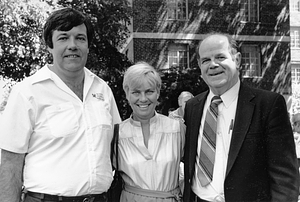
231 126
98 96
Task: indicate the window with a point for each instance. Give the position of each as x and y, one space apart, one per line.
295 39
178 56
249 10
296 75
251 61
295 5
177 9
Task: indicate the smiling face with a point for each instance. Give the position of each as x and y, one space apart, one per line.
219 68
70 50
143 100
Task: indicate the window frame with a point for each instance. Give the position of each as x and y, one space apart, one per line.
295 75
247 72
176 11
250 15
295 39
178 48
295 6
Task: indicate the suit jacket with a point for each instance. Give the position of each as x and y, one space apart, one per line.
262 163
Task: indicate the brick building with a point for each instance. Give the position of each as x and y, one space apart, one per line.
295 54
165 33
295 40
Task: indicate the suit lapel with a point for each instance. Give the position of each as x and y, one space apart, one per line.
244 113
196 115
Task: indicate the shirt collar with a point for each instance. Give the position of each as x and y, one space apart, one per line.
45 73
229 96
41 75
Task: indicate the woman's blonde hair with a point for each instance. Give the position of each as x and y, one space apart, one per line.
140 73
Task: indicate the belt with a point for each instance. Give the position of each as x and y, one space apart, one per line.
84 198
175 193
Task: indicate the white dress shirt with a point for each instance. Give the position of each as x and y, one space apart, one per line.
226 114
66 140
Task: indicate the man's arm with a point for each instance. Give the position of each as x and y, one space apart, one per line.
11 170
283 167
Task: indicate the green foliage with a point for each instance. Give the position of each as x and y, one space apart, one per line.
21 46
176 80
295 108
6 87
20 42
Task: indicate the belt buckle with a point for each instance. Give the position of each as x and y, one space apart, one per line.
88 199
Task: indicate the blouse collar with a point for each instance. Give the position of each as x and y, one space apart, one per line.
138 123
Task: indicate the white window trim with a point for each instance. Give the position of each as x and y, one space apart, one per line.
295 77
176 48
259 62
176 13
249 11
295 37
295 6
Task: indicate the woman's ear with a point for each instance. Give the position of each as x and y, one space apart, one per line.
126 96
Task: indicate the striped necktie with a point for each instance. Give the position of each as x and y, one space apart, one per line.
208 143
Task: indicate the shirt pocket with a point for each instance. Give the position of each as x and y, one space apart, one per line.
100 115
62 119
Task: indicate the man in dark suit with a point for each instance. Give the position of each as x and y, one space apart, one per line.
252 155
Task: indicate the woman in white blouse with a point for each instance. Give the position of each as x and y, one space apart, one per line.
150 144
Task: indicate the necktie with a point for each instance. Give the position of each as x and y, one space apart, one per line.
208 143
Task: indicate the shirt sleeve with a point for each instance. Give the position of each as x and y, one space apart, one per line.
114 111
182 135
16 123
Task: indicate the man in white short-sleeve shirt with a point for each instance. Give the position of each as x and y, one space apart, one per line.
57 126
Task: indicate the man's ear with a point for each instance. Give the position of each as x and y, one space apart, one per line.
238 59
49 49
198 62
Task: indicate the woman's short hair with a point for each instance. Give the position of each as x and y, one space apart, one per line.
64 20
139 73
182 95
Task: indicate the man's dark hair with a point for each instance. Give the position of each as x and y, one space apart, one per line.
64 20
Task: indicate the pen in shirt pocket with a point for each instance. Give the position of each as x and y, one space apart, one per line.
230 126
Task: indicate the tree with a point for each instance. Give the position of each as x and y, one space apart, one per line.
22 50
20 37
